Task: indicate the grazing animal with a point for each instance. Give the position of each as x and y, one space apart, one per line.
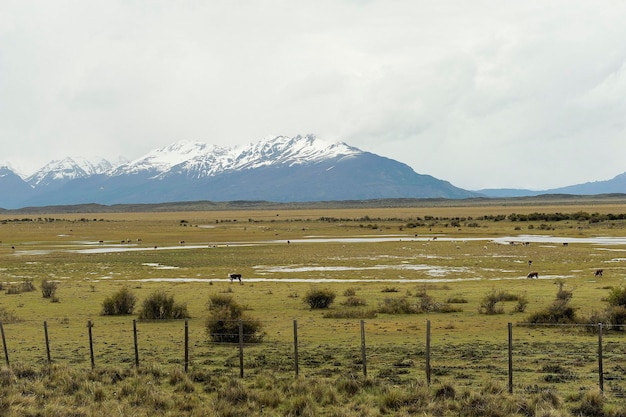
533 274
182 242
598 273
234 276
565 243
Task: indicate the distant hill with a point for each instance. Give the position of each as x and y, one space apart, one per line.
614 185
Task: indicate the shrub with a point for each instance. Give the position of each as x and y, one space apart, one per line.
7 316
219 301
319 298
160 306
223 323
522 303
456 299
591 404
48 288
617 296
27 285
560 312
489 304
351 314
354 302
562 294
122 302
398 306
617 316
349 292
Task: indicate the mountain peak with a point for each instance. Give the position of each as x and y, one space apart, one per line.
69 168
285 150
163 159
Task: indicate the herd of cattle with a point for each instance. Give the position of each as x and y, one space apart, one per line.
535 274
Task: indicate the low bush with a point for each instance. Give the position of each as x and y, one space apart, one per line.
349 292
457 299
617 296
616 317
25 286
351 314
160 306
491 303
560 312
398 306
122 302
48 288
354 302
7 316
222 325
319 298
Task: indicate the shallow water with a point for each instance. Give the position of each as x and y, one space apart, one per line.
507 240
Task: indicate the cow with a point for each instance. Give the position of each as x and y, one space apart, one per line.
598 273
533 274
234 277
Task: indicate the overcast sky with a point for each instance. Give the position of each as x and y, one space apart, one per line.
484 94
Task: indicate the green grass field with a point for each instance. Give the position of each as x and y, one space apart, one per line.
445 260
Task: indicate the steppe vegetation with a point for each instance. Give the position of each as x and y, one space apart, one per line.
458 270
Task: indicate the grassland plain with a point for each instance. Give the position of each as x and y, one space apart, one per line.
424 257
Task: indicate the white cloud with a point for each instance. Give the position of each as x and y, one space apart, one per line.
482 94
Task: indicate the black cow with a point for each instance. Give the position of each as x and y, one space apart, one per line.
234 277
598 273
533 274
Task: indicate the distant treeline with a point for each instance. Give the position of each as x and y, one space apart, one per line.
580 216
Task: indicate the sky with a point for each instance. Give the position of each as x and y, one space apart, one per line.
483 94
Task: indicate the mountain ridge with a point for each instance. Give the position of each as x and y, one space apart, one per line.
279 168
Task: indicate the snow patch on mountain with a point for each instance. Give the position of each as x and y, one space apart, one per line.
69 168
163 159
199 160
289 151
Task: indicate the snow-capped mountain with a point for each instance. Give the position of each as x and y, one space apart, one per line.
67 169
280 169
162 160
200 160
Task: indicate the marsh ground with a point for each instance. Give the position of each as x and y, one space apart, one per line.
453 255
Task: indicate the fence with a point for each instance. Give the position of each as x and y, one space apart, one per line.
576 357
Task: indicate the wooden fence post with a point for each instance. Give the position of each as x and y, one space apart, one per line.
186 345
136 345
295 346
4 344
363 355
428 352
510 358
600 370
45 331
240 348
93 362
